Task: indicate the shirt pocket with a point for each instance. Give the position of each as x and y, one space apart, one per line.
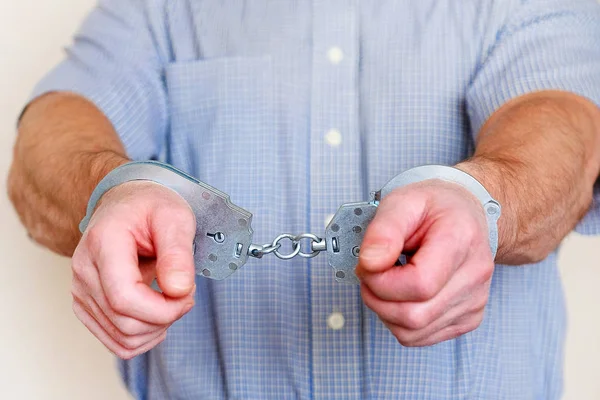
222 127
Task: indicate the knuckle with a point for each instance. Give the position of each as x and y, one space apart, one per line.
464 230
425 287
480 304
99 234
487 270
102 230
113 332
181 314
477 320
464 328
416 318
124 354
454 332
94 237
465 234
126 342
127 326
76 268
171 318
77 265
404 337
461 330
76 296
130 343
409 344
118 301
162 337
468 232
405 340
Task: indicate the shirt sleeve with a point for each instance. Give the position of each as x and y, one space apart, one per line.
114 62
542 45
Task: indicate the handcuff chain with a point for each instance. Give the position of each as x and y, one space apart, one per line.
317 245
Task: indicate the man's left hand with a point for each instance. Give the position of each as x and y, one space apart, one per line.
442 291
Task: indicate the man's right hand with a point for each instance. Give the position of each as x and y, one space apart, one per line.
138 232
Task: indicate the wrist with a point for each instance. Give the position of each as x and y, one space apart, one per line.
493 174
489 205
97 165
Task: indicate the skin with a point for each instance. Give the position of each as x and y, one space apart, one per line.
139 230
538 155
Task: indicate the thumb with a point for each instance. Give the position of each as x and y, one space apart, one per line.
173 229
398 217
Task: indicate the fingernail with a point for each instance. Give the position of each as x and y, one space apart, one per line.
374 251
178 280
193 292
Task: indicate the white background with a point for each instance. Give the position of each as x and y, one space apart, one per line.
46 354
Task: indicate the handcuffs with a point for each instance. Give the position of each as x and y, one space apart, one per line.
223 240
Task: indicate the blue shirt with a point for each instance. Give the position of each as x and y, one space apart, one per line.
295 107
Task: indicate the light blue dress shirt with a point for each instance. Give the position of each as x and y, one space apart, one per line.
295 107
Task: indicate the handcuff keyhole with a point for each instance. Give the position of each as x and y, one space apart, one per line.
218 237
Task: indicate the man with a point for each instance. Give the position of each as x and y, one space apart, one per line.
294 108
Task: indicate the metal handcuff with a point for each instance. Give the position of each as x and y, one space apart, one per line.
223 241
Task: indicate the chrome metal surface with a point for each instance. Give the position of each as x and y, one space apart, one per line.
221 228
344 235
316 245
492 207
223 240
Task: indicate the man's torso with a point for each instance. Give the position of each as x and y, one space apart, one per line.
294 108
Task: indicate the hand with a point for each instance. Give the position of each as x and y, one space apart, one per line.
139 231
442 291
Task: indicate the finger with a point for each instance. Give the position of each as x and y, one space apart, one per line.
129 326
119 326
461 327
94 327
397 218
422 319
130 341
466 292
441 252
409 316
86 284
429 337
414 329
122 283
173 234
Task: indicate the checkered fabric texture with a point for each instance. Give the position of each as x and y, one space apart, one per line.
242 95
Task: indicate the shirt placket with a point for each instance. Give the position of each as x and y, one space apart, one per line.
334 179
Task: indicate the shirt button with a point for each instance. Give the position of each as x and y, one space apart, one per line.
335 55
333 137
335 321
328 220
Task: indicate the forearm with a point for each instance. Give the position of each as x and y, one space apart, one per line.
539 156
64 147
